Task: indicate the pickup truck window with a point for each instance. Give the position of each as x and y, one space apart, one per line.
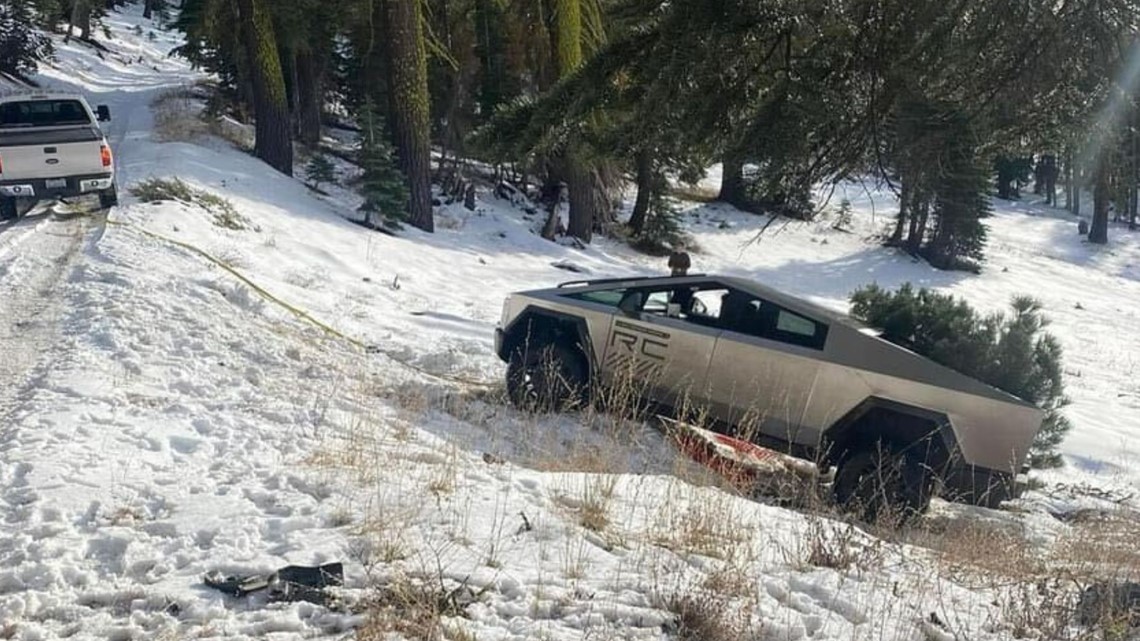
43 113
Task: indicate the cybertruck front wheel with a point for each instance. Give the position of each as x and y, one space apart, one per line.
545 378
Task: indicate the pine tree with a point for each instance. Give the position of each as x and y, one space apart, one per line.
22 46
961 202
383 185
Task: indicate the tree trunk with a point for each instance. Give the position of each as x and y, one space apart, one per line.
919 213
923 218
732 181
273 143
580 185
148 9
568 36
1068 180
1075 205
1004 187
644 192
289 73
80 17
900 223
1098 232
553 224
1133 195
84 19
575 171
310 94
1050 179
1134 185
408 91
1073 178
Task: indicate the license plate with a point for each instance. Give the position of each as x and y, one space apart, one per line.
56 183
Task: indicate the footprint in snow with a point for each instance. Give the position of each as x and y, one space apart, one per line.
185 445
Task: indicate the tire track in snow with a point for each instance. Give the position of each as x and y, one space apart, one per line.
32 275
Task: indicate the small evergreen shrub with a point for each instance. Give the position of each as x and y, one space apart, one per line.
159 189
662 232
1008 351
383 185
843 215
320 170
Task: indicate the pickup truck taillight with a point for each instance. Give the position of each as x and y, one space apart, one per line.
105 151
1 164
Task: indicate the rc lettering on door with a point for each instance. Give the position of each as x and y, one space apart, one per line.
639 349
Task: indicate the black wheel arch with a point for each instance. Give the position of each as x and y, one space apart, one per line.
536 326
927 435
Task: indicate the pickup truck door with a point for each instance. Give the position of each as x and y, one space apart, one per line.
663 357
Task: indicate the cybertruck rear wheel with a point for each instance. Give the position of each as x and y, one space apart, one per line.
882 482
545 378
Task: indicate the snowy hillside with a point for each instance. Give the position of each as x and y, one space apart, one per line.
184 393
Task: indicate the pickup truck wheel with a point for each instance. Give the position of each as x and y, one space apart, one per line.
549 377
880 482
108 198
8 208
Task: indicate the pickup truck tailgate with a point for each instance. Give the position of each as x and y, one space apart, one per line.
50 154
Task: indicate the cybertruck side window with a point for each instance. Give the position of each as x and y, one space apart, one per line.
698 304
798 330
607 297
746 314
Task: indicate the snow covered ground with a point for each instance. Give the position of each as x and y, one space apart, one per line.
175 403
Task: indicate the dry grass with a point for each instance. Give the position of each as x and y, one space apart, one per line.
1038 585
1103 544
982 554
415 609
694 193
602 441
237 134
597 494
839 546
355 450
178 115
701 615
710 524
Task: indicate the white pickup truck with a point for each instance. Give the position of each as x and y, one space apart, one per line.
51 146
